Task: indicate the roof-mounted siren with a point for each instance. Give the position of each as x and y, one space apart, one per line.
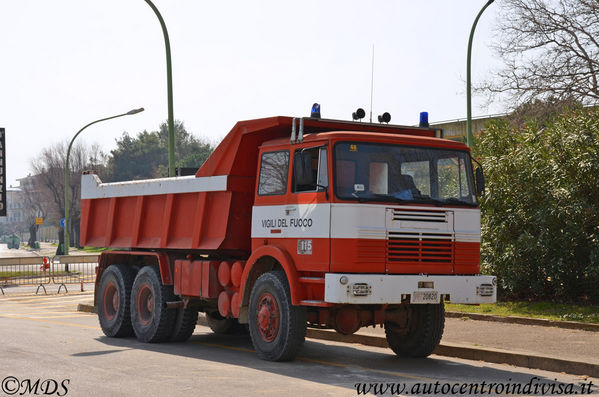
423 120
315 112
384 118
358 115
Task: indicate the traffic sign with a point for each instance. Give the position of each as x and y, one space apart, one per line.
62 223
39 221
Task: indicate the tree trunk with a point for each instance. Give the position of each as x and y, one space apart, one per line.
32 235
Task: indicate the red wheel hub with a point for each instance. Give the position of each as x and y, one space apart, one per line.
110 301
268 315
145 304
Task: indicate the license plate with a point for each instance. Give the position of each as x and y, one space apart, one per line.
424 297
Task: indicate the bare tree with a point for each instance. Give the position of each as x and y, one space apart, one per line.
35 205
549 49
49 168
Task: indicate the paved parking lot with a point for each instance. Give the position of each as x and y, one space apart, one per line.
45 338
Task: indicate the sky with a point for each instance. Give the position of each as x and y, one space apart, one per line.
65 63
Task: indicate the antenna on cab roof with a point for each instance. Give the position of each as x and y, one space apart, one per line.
371 82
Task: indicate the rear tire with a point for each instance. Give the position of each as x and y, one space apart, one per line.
152 321
424 333
224 326
277 328
113 300
185 324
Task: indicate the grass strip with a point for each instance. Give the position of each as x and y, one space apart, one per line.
546 310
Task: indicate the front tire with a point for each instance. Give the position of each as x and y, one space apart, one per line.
113 300
425 329
152 321
277 328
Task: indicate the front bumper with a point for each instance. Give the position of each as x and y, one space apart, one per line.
389 289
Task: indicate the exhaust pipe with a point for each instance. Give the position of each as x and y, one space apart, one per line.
293 130
300 136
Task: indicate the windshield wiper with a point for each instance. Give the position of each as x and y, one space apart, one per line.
364 197
388 197
368 196
453 200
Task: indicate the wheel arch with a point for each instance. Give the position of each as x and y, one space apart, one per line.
134 258
262 260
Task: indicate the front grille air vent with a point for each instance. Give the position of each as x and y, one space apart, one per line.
420 216
420 247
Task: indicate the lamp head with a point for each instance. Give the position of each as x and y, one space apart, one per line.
135 111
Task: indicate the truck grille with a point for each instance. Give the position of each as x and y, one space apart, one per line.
420 247
419 216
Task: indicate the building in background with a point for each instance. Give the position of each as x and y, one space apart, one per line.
25 203
15 216
457 129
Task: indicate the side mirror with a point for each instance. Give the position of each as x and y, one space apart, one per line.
480 182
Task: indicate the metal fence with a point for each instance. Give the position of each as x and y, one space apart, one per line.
41 271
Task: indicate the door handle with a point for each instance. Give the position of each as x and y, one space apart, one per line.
289 210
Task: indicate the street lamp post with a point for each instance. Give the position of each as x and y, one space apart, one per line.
468 78
169 87
66 174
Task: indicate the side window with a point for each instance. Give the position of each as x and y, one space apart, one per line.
453 182
274 168
310 172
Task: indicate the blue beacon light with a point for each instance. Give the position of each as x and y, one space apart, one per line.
423 119
315 113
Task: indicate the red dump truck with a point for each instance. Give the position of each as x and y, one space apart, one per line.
294 223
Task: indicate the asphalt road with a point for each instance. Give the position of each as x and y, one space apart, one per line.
45 338
6 252
46 249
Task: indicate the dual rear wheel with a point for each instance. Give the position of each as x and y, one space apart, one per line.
130 303
135 303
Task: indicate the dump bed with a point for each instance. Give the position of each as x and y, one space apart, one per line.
208 211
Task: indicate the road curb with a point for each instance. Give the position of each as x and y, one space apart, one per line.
489 355
87 308
525 321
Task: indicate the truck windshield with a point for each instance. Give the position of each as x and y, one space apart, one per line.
393 173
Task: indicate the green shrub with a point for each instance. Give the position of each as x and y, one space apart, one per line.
540 214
